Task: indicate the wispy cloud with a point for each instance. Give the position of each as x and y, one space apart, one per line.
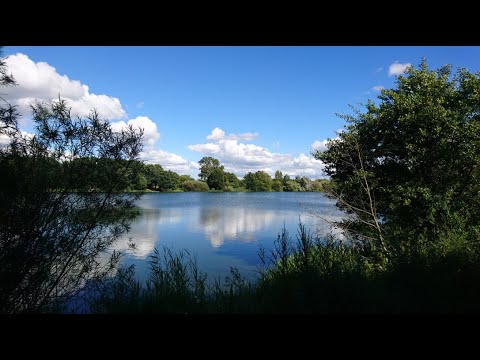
378 88
140 105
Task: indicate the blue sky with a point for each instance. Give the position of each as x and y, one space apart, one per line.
272 103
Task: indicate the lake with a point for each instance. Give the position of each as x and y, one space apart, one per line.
222 229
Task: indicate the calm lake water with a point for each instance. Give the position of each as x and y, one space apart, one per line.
222 229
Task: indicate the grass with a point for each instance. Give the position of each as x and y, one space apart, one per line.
305 275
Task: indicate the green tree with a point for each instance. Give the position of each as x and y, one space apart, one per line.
153 173
292 185
259 181
278 175
277 185
207 165
168 181
54 226
194 185
412 160
216 179
232 180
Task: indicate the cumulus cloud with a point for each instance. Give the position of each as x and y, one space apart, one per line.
397 68
151 134
241 158
169 161
219 134
322 144
41 81
319 145
378 88
150 153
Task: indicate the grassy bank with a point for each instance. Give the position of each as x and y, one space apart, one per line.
305 275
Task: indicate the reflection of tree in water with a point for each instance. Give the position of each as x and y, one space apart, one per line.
233 223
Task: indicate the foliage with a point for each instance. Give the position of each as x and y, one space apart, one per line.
412 160
50 239
207 165
259 181
216 179
195 185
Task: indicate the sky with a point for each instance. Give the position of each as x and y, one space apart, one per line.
253 108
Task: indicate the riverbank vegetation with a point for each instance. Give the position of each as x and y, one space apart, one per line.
405 171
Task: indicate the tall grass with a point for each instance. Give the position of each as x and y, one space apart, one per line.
307 274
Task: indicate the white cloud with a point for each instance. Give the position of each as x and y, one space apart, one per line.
319 145
397 68
41 81
241 158
378 88
151 134
150 153
219 134
169 161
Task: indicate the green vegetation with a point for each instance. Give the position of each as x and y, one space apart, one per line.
406 174
405 171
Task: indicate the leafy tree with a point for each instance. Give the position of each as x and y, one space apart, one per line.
232 180
216 179
207 165
292 185
153 173
277 185
50 237
183 178
286 179
412 160
278 175
168 181
195 185
259 181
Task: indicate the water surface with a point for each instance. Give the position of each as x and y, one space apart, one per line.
222 229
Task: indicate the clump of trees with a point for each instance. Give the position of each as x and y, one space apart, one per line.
213 173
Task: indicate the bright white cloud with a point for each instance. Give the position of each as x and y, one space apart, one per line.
150 135
319 145
322 145
169 161
40 81
219 134
150 153
378 88
397 68
241 158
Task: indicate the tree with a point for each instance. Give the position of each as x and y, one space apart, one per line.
194 185
207 165
409 166
232 180
277 185
53 226
216 179
153 173
168 181
259 181
278 175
